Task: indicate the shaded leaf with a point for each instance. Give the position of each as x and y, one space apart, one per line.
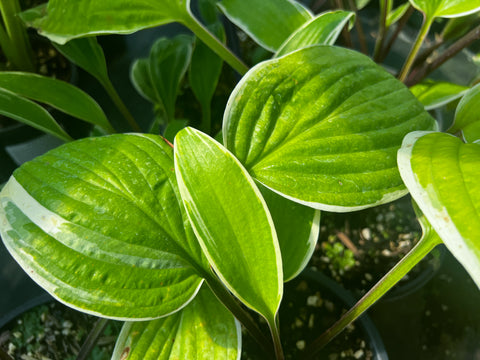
395 15
297 227
25 111
98 224
323 29
202 330
267 22
441 172
158 77
322 126
433 94
231 221
58 94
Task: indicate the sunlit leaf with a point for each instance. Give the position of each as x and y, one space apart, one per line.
231 220
395 15
322 127
98 224
467 116
323 29
204 330
441 172
446 8
268 22
433 94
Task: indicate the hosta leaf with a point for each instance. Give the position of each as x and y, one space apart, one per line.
98 224
360 4
394 15
297 227
58 94
433 94
158 77
231 221
467 118
69 19
203 330
323 29
18 108
446 8
87 54
442 175
268 22
322 127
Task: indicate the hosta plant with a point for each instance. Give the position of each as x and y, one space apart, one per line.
178 239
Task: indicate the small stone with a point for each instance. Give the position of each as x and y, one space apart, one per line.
17 334
11 349
67 324
311 321
366 233
368 276
300 344
358 354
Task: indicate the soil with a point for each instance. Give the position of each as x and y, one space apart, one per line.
357 249
55 332
307 311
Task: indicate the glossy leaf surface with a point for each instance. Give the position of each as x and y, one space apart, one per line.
467 116
58 94
231 221
323 29
268 22
158 77
25 111
442 175
433 94
203 330
322 127
69 19
98 224
297 227
446 8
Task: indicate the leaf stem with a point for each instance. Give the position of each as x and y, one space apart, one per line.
418 75
400 25
427 23
117 100
423 247
18 46
92 339
382 29
272 324
214 44
240 314
358 25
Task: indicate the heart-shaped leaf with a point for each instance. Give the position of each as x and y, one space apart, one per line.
203 330
433 94
467 118
268 22
322 127
441 172
158 77
98 224
323 29
297 227
446 8
231 221
58 94
18 108
69 19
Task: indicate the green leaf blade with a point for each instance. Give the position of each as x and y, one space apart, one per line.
442 173
323 29
322 126
57 94
69 19
27 112
231 221
433 94
98 224
202 330
448 9
467 119
272 22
